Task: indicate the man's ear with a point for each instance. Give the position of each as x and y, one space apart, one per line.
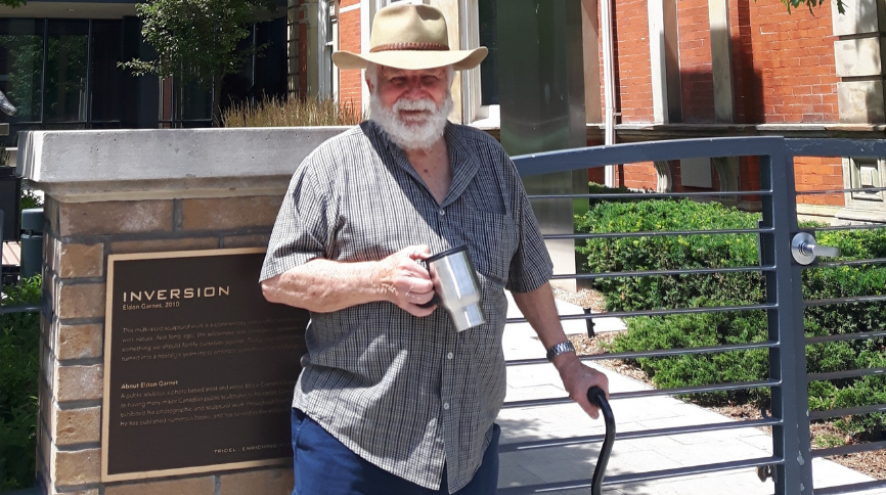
369 85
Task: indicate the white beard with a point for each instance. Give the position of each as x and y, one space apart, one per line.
415 133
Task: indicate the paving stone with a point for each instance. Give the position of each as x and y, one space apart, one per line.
74 426
77 341
230 213
79 383
77 468
78 260
80 300
115 217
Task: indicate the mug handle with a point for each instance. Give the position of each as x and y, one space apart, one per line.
434 300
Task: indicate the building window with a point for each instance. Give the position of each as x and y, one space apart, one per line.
488 12
61 74
263 76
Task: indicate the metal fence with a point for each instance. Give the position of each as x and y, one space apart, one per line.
781 244
779 248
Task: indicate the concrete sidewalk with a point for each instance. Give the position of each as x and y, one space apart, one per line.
576 463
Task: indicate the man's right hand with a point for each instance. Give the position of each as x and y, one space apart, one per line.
407 283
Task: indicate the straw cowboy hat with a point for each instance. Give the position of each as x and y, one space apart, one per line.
410 37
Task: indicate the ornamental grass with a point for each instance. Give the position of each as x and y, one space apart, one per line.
292 112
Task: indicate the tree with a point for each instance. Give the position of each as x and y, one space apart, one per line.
196 40
793 4
13 3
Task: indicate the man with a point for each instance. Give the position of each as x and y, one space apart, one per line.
392 400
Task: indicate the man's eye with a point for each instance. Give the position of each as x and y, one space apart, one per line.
398 80
430 79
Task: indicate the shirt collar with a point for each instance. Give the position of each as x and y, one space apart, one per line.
463 162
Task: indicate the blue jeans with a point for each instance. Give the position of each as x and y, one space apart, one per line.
324 466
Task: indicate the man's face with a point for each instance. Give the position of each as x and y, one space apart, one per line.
397 84
411 105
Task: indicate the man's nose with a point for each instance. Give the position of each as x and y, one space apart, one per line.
414 86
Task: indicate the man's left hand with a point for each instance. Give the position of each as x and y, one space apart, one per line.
578 378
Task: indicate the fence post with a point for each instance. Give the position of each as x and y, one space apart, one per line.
32 242
787 362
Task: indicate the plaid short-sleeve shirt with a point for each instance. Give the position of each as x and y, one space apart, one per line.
408 394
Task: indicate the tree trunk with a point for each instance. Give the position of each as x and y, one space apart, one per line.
216 101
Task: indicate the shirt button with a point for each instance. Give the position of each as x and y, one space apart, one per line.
450 356
446 406
442 212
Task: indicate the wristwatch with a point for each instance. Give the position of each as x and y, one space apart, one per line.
560 348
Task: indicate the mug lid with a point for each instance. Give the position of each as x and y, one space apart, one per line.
446 253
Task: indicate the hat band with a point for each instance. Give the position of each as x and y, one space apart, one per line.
410 46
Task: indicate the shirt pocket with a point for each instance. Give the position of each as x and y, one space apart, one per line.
492 242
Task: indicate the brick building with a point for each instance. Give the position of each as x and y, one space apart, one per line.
680 68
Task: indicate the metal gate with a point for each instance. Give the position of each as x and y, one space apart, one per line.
781 244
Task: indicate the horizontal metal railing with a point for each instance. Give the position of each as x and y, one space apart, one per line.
661 312
639 434
656 353
659 392
667 233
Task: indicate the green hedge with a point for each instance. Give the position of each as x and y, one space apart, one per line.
19 371
705 290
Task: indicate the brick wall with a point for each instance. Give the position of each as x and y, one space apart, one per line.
793 59
77 241
638 176
350 81
633 73
814 173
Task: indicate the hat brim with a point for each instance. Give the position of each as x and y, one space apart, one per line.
412 59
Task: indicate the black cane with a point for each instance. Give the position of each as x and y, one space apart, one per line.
598 398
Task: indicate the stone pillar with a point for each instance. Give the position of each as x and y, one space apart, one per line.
858 54
110 192
664 59
724 89
858 57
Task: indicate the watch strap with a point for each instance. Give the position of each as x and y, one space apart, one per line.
561 348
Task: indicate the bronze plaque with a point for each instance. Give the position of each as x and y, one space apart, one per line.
199 368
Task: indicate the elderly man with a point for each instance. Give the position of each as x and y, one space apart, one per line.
392 399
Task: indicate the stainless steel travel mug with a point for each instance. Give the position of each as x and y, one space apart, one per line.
457 287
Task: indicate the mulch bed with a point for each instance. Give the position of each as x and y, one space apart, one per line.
872 464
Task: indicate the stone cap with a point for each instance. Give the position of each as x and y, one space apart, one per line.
133 164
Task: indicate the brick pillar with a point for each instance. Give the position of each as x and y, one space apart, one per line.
180 190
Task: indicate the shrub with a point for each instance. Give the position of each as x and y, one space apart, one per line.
669 253
30 199
19 372
707 329
292 112
605 255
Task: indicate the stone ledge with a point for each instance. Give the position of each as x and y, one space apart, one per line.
140 164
